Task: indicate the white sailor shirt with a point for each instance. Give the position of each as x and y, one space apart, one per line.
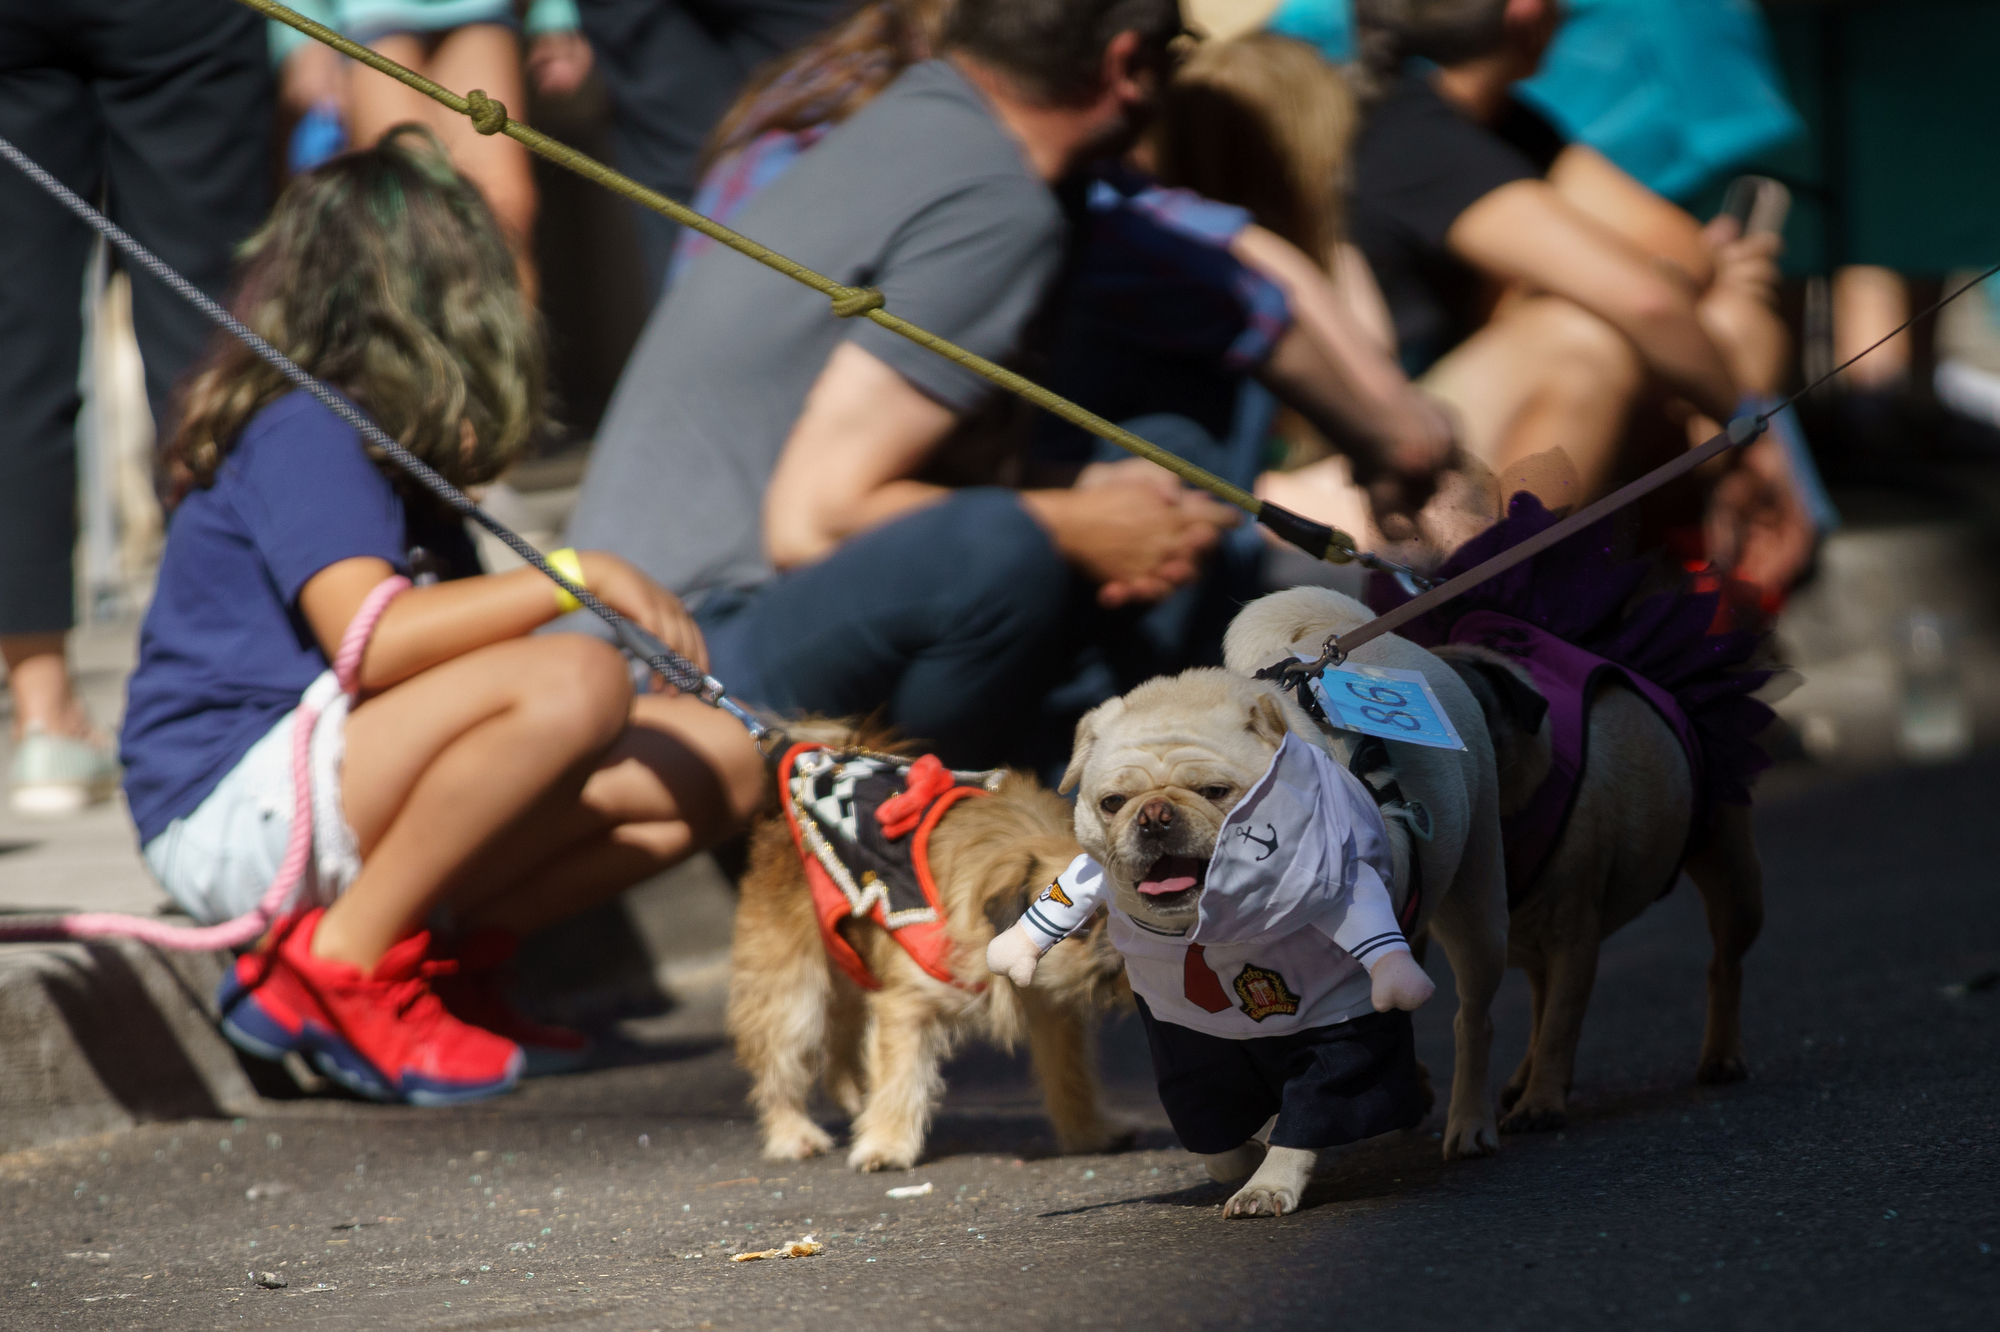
1295 905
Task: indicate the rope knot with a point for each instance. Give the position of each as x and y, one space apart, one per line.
488 115
857 301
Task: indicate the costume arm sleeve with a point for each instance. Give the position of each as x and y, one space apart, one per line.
1365 924
1065 904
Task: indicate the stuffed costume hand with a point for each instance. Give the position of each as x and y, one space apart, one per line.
1396 981
1014 954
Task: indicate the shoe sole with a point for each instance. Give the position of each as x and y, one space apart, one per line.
250 1028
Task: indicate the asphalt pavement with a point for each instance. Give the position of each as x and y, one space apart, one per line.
1853 1182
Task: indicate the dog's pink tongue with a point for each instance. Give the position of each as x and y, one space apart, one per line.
1171 874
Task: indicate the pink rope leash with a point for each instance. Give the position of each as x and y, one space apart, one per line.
298 848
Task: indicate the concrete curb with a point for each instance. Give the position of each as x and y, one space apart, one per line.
98 1037
101 1036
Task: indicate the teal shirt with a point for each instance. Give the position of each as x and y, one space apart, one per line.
1675 93
351 16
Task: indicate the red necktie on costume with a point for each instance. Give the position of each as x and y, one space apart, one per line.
1200 985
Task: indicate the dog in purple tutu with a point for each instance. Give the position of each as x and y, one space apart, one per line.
1624 733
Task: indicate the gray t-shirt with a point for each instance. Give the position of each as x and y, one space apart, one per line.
921 194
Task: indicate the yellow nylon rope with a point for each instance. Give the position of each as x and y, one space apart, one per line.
490 117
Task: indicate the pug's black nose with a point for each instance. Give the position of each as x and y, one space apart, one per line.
1156 817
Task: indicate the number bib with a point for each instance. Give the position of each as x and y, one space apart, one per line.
1380 700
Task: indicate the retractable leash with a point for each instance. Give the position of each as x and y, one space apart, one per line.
668 664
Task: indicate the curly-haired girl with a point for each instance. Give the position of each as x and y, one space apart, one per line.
492 778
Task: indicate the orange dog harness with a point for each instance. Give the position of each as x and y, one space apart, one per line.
862 823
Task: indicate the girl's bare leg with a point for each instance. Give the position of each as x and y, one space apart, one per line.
680 778
486 56
441 766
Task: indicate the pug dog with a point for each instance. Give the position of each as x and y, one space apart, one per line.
1262 898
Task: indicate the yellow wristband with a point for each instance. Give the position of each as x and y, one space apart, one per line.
566 563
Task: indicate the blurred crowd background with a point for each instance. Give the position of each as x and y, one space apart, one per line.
1876 117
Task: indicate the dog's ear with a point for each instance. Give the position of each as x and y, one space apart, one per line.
1500 689
1267 717
1086 740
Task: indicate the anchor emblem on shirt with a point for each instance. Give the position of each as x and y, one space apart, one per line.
1270 846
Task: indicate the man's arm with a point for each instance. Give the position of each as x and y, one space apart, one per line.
1598 188
1527 232
865 431
847 465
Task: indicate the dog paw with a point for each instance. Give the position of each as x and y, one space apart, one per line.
871 1156
1715 1069
1260 1200
1465 1141
1509 1094
1530 1118
796 1142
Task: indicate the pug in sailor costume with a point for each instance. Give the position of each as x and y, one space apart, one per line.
1254 888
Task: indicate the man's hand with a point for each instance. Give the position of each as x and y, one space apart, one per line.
1757 528
1739 311
645 603
1135 542
1129 472
1403 477
1014 955
559 62
1398 982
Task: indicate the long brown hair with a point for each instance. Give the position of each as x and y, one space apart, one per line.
1264 122
383 273
832 76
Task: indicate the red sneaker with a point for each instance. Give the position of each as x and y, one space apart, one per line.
477 993
383 1034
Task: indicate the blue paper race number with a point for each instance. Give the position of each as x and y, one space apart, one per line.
1380 700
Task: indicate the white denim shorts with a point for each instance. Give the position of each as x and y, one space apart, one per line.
218 861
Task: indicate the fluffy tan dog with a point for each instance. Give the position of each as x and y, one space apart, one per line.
796 1017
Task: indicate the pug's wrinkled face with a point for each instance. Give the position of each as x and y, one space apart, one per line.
1156 772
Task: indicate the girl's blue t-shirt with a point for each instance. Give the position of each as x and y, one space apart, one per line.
224 652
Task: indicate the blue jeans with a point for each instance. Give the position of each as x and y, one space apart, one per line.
948 621
965 628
